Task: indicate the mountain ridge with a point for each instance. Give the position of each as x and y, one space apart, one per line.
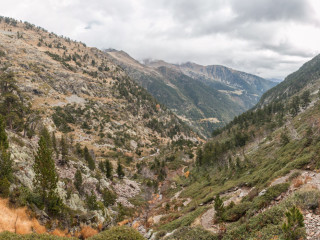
223 101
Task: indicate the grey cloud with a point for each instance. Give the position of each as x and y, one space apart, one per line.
272 10
249 35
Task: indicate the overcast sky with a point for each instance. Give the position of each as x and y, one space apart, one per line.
270 38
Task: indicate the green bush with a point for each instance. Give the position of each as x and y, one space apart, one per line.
293 227
118 233
271 193
187 233
308 199
13 236
109 198
235 213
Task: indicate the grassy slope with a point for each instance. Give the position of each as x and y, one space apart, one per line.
264 158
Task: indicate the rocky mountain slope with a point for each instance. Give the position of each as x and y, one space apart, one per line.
258 174
205 97
95 115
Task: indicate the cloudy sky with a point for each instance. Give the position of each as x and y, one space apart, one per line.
270 38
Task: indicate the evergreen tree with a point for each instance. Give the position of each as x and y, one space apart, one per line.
54 142
120 171
3 135
102 166
64 150
11 105
293 227
219 208
89 159
78 181
284 139
5 161
5 172
79 150
109 169
47 138
92 202
109 198
305 98
46 178
295 106
199 159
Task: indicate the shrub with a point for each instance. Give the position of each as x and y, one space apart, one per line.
293 227
219 208
187 233
33 236
235 213
308 199
123 233
109 198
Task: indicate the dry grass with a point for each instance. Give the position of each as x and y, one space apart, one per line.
297 182
17 220
87 232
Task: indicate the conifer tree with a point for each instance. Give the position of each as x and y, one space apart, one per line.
46 178
47 138
89 159
219 208
54 142
295 106
305 98
64 150
3 135
293 227
199 159
78 181
101 166
109 169
109 198
11 106
120 171
5 161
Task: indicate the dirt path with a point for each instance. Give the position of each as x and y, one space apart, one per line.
207 221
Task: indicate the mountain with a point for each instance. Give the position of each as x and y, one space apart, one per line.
80 116
307 75
204 97
259 173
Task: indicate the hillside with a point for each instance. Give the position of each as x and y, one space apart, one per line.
65 102
254 170
204 97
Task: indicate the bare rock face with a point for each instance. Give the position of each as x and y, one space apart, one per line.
126 190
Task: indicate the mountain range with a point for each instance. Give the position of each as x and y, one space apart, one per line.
206 97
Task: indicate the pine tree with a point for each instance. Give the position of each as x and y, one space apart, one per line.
101 166
78 181
54 142
64 150
295 106
45 174
293 227
47 138
219 208
11 105
3 135
89 159
5 161
305 99
109 169
109 198
199 159
120 171
284 139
